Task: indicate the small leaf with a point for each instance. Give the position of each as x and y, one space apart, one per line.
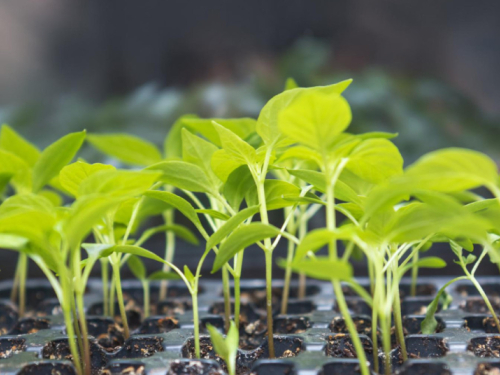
12 142
12 242
237 148
240 239
218 342
318 238
179 203
163 275
213 213
18 170
322 268
72 175
137 267
126 148
135 250
427 262
223 164
274 192
55 157
96 250
231 225
237 185
189 275
172 145
183 175
241 127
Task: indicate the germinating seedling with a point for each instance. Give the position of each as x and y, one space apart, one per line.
226 348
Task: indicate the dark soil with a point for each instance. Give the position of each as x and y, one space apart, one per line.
340 346
476 305
134 313
258 296
107 333
140 347
485 347
47 368
158 325
29 325
171 308
291 325
194 367
425 369
11 346
491 290
126 368
8 317
363 325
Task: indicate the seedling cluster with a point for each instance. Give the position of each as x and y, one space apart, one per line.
224 176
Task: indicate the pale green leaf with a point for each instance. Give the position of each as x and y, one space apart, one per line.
315 119
223 164
137 268
127 148
213 213
18 169
183 175
72 175
318 238
163 275
237 185
275 190
427 262
237 148
172 145
240 239
290 84
241 127
189 275
12 142
55 157
322 268
12 242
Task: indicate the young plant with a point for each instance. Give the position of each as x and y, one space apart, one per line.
226 348
28 170
137 267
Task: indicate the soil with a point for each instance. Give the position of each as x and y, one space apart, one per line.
158 325
108 334
363 325
8 317
170 308
476 305
194 367
124 369
47 368
426 369
291 325
258 296
404 290
487 369
485 347
340 346
140 347
134 313
9 347
29 325
491 290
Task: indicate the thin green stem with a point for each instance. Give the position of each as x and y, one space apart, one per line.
289 259
386 343
269 302
146 291
23 259
398 321
486 301
119 295
414 274
105 285
112 293
237 302
227 298
84 331
15 283
169 252
196 323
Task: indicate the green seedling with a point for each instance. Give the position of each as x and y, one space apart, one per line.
28 170
139 270
226 348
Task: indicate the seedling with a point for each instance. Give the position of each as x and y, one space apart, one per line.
226 348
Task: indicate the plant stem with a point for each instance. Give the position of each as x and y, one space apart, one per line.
112 292
289 259
351 327
237 302
269 301
146 291
23 263
119 295
376 365
105 285
386 343
169 252
15 283
196 323
414 274
398 322
227 298
486 301
84 332
302 219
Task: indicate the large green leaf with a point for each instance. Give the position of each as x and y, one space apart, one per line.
72 175
26 202
268 122
427 262
184 175
318 238
237 185
322 268
224 164
126 148
240 239
172 145
179 203
315 119
30 224
118 183
453 169
231 225
55 157
18 170
237 148
241 127
12 142
376 160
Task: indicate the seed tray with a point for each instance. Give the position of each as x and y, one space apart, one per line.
311 338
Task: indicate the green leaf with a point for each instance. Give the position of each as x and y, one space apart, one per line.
315 119
5 178
268 121
118 183
213 213
376 160
197 151
72 175
322 268
55 157
224 164
96 250
237 148
179 203
26 202
183 175
230 225
85 213
137 267
240 239
427 262
371 135
126 148
241 127
237 185
308 199
134 250
290 84
189 275
30 224
342 191
18 169
12 242
453 169
12 142
172 146
275 190
318 238
227 348
163 275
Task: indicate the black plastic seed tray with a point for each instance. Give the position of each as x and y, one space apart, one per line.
311 339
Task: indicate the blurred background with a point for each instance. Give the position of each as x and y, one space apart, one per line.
427 70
